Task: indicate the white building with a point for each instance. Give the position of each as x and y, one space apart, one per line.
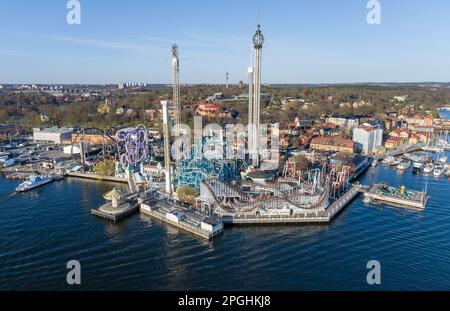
368 137
55 135
343 122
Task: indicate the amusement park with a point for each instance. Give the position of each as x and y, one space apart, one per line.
198 186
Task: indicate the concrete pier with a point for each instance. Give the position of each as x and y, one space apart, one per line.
177 216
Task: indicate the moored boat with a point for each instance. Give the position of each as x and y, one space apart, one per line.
404 165
428 168
438 171
33 182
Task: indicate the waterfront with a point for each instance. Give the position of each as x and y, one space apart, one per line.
45 228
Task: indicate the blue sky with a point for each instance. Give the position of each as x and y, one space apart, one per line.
307 41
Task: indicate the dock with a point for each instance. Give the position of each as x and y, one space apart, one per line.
398 197
202 226
97 177
127 207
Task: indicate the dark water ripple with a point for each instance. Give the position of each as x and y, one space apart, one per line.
40 231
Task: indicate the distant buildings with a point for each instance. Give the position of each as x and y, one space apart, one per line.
55 135
367 138
334 143
349 123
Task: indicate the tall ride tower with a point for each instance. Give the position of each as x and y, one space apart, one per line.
176 92
258 41
165 112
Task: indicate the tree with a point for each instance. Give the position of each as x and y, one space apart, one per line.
105 168
301 163
187 194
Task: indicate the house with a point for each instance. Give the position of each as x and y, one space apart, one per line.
394 142
399 133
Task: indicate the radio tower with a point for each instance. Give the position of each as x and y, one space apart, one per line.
226 79
176 94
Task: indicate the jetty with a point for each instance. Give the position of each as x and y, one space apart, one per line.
121 205
97 177
206 227
398 197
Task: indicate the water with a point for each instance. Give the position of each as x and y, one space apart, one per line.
41 230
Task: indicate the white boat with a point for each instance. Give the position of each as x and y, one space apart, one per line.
438 171
388 160
428 168
418 165
33 182
404 165
375 162
443 160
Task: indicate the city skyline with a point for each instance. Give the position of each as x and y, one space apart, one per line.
306 42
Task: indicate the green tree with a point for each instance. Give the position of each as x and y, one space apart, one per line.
105 167
187 194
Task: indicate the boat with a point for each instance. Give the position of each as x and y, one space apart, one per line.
443 160
438 171
33 182
428 168
388 160
418 165
404 165
375 162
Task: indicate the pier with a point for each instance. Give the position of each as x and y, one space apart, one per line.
182 218
116 211
398 197
97 177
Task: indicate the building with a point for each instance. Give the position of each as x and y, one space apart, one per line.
367 138
55 135
208 110
336 144
349 123
394 142
404 134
